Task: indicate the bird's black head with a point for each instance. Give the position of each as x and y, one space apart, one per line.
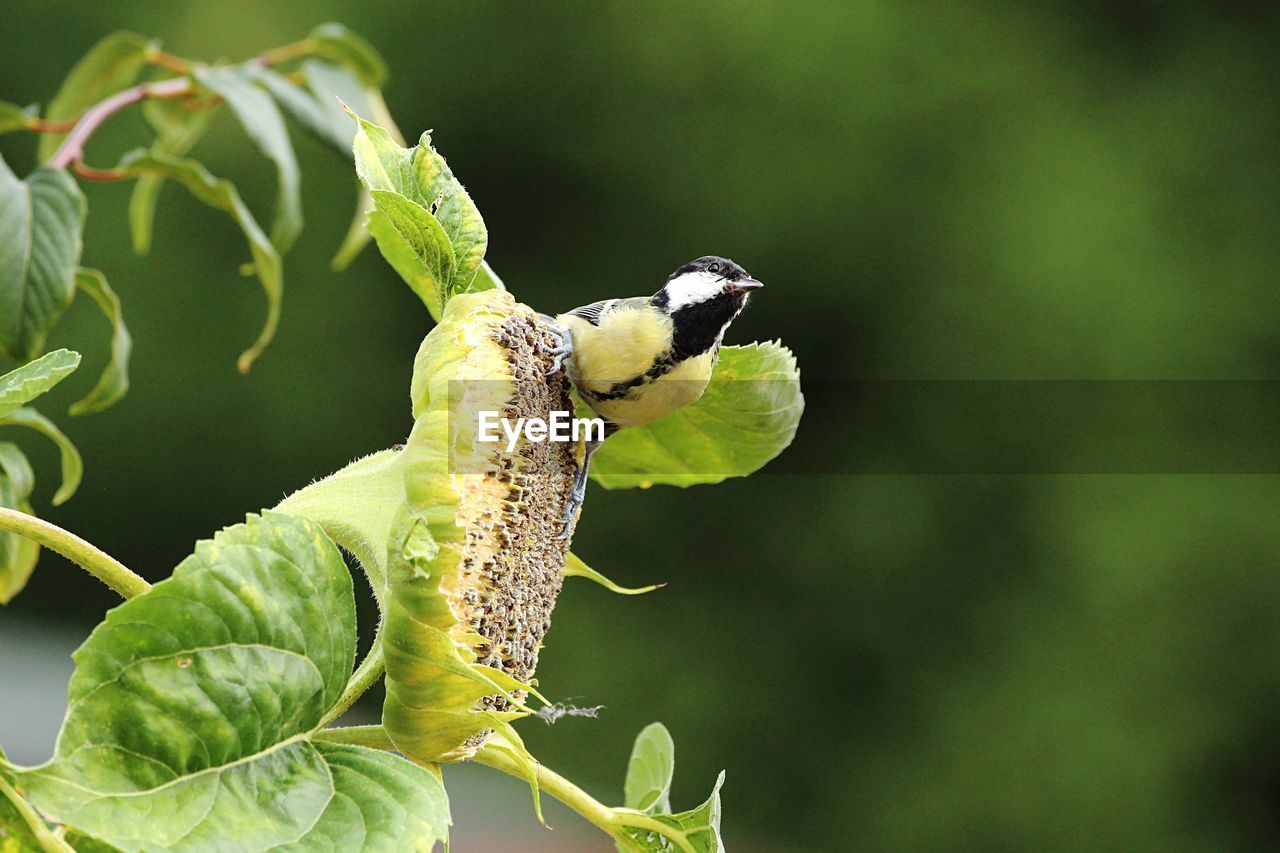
703 297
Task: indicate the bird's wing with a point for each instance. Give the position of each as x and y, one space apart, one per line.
593 312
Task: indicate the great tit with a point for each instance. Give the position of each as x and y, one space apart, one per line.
636 360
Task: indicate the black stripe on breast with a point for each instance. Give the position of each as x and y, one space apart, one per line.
664 365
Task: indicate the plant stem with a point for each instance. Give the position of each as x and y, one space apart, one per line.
91 174
612 821
374 737
40 125
365 676
169 62
48 841
286 52
72 148
98 563
555 785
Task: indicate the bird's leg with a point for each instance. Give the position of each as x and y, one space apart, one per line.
579 491
563 347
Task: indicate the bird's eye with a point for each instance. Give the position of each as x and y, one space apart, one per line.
713 268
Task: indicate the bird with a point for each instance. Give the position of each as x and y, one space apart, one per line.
634 361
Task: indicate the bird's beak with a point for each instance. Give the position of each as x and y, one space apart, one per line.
744 285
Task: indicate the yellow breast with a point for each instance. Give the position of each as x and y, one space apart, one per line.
626 344
623 346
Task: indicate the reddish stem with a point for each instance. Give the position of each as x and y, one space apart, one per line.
72 148
169 62
91 174
40 125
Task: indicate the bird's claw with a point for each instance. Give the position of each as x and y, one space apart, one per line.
562 349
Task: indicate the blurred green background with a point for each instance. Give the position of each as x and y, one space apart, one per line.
959 190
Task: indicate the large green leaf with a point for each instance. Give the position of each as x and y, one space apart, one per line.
114 380
262 121
748 415
18 554
422 200
381 802
24 384
338 44
221 193
72 466
178 128
111 65
648 790
191 705
41 220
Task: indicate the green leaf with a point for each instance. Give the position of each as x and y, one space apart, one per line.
14 117
332 83
338 44
303 107
575 568
748 415
41 220
332 86
414 188
221 193
648 790
318 109
192 704
111 65
18 554
82 843
34 378
114 381
415 245
262 121
358 234
486 279
697 830
72 466
650 770
381 802
21 829
178 128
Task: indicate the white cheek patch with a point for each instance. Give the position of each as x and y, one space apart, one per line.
691 288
